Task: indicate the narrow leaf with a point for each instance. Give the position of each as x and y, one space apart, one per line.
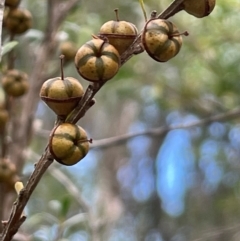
143 9
8 47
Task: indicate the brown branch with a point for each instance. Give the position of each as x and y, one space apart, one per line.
21 136
2 201
103 143
175 7
70 186
111 141
85 103
64 9
135 48
2 3
16 219
56 13
2 134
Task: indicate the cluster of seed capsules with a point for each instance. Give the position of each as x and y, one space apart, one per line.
14 82
98 61
68 142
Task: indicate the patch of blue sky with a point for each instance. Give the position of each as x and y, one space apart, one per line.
212 171
136 180
234 136
45 233
174 162
217 130
84 173
125 230
209 147
153 235
79 236
41 108
210 166
144 184
137 175
231 153
142 178
139 146
125 176
174 118
120 235
137 126
86 165
151 112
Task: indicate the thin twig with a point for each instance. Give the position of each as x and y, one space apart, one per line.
16 219
85 103
21 136
3 131
107 142
63 10
56 15
206 235
165 129
135 48
2 3
2 199
46 161
175 7
70 186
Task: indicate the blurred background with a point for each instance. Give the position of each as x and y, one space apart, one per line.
183 185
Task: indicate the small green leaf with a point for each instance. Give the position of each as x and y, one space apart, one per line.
143 9
66 203
8 47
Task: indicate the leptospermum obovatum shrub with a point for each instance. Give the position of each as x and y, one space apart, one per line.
99 61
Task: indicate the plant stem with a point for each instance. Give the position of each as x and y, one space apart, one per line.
16 218
61 66
117 15
143 9
85 103
136 47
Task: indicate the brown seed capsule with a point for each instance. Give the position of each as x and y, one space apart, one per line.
199 8
18 21
97 61
61 95
161 39
120 34
12 3
69 144
15 83
4 116
8 172
68 49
